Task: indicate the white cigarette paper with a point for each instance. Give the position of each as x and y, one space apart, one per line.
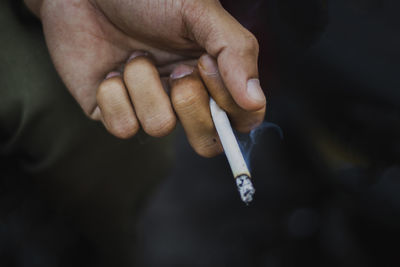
232 151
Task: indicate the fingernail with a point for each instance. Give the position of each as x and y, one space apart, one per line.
208 64
137 54
255 92
112 74
181 71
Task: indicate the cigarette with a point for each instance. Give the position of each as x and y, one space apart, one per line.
232 151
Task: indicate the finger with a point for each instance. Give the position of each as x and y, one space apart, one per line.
235 48
242 120
191 103
115 109
152 104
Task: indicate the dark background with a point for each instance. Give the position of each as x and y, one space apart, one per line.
327 194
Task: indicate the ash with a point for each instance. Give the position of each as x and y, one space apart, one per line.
245 188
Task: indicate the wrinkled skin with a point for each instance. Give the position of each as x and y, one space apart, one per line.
90 40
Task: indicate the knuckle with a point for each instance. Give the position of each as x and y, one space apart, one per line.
250 44
186 98
124 129
159 125
106 88
252 41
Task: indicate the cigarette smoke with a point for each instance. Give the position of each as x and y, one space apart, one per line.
248 141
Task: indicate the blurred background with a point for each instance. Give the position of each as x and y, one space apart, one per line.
327 193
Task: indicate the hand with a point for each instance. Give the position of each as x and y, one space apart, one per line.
90 40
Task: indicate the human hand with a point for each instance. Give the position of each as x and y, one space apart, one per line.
93 39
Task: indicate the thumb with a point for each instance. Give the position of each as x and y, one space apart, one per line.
234 47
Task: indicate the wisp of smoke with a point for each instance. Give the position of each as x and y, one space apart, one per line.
247 141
